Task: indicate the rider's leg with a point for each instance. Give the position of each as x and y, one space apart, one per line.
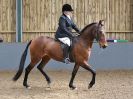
66 54
66 42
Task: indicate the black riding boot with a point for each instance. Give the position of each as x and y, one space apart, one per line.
65 54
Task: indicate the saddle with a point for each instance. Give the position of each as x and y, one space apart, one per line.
70 49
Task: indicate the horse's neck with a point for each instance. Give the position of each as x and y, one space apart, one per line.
87 38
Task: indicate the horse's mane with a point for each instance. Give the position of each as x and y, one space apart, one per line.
87 26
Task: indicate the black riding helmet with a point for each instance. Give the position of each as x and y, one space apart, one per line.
67 7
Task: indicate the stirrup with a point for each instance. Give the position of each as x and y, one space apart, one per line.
67 61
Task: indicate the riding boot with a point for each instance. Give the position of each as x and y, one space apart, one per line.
66 54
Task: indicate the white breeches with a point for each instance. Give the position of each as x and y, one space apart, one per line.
65 40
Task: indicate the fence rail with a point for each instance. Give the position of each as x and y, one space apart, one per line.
28 35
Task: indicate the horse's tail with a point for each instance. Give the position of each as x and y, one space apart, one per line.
22 62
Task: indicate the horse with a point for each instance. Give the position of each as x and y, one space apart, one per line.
43 48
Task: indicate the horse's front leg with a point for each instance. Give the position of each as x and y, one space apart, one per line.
88 67
75 69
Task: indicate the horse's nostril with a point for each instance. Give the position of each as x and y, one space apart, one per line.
104 46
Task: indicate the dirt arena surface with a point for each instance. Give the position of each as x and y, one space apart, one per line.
109 85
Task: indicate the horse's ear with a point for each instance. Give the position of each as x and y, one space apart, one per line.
101 22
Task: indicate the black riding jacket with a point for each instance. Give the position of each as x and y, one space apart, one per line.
65 27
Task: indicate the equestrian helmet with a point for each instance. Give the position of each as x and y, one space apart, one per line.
67 7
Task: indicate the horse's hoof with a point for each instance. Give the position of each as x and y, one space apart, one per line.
90 86
28 87
49 81
73 88
48 86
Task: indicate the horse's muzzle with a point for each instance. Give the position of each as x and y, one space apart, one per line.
104 46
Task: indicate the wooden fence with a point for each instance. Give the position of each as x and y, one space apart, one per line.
40 17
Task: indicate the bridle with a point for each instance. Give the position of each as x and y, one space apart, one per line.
97 32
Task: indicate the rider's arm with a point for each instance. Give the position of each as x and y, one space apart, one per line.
75 28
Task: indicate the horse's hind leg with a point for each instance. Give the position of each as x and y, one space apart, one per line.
27 71
40 67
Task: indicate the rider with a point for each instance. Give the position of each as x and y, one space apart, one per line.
64 31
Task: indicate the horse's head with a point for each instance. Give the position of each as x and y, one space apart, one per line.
99 34
95 31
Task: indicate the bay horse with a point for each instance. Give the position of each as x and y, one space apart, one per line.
45 48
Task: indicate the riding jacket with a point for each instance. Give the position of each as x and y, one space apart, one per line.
65 27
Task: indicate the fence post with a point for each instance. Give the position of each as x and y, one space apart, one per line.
19 20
